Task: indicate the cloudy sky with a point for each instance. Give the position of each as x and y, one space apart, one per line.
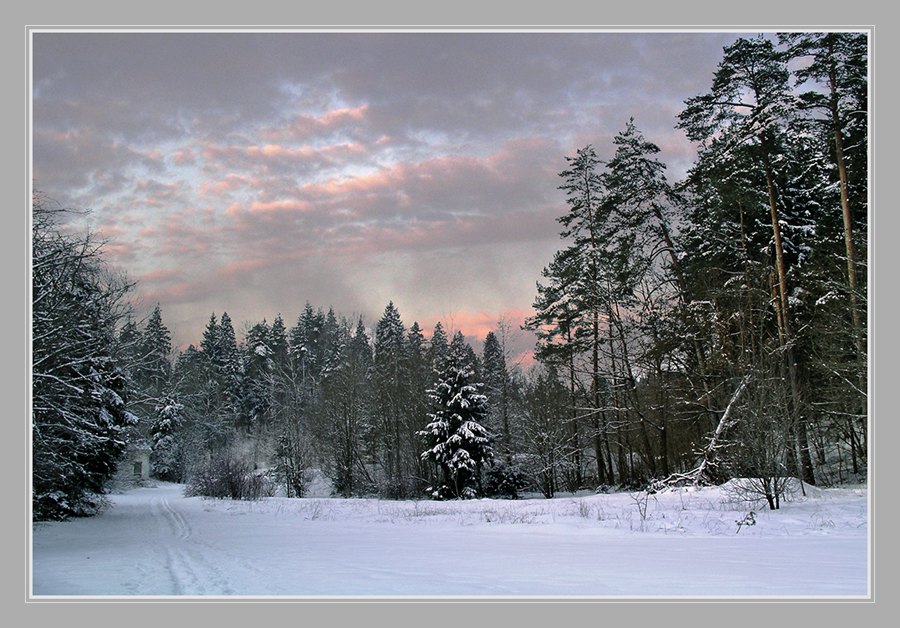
253 172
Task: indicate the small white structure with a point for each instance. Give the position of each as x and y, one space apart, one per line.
134 466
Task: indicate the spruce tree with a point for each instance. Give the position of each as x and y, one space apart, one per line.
455 438
257 381
80 421
390 397
496 389
347 394
156 353
166 456
437 349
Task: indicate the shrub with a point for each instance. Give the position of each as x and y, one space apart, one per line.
505 479
229 475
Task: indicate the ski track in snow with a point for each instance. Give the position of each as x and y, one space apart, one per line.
154 541
190 573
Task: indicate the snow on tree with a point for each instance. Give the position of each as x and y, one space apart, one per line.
256 389
437 350
155 367
390 397
456 440
166 453
79 416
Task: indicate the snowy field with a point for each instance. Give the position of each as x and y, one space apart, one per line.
153 541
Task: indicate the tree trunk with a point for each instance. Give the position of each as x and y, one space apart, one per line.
845 205
805 462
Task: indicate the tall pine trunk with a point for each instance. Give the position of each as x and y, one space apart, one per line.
799 418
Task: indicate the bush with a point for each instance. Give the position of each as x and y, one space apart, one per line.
505 479
229 475
756 489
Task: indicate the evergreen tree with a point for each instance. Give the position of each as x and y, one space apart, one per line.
257 389
390 398
555 322
347 403
456 440
166 456
215 399
747 112
227 362
209 345
834 68
129 345
79 418
496 382
437 349
155 368
278 344
419 377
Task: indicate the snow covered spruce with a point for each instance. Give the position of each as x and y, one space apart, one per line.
456 440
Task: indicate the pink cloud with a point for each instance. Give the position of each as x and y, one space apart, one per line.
278 151
476 324
302 127
184 157
240 268
343 115
154 193
179 236
287 205
265 156
161 275
184 292
230 182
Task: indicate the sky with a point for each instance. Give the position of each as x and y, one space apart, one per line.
255 172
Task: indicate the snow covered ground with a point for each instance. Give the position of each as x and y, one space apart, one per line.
153 541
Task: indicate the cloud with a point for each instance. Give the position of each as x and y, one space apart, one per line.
308 128
255 171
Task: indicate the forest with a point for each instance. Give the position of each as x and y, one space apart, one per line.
686 332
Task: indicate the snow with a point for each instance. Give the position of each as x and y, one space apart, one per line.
153 541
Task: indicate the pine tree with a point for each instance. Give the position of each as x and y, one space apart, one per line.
835 67
167 455
456 440
419 377
646 287
306 342
496 382
390 397
79 417
129 344
747 112
257 380
838 61
278 344
555 322
437 349
209 345
215 368
347 402
156 354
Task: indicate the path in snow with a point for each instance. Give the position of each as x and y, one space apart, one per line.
155 542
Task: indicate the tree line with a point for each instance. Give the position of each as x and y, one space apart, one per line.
717 327
689 332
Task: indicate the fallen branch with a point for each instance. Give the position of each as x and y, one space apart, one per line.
700 474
